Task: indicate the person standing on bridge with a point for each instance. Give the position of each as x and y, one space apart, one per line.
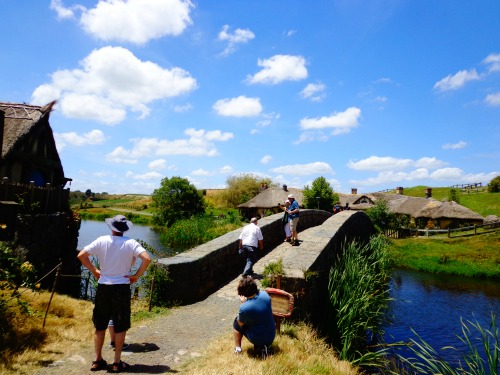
251 239
115 254
293 215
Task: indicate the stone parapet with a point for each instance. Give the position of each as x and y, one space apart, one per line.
198 272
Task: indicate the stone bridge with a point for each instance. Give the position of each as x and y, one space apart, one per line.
201 271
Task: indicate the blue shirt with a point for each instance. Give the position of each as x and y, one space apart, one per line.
294 206
257 315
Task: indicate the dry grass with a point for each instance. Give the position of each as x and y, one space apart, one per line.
67 327
298 350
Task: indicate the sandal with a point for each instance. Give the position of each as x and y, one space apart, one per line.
98 365
119 367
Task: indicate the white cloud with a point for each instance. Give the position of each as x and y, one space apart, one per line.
238 107
341 122
62 11
183 108
111 81
386 163
266 159
225 170
199 143
239 36
446 174
280 68
312 136
147 176
137 21
454 146
314 91
94 137
493 60
157 165
456 81
493 99
304 169
201 172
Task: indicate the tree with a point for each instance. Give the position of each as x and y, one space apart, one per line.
241 188
88 193
176 199
453 196
494 185
320 195
380 215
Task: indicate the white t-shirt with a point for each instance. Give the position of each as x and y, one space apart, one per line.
250 235
115 255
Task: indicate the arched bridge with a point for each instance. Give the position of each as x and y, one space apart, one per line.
199 272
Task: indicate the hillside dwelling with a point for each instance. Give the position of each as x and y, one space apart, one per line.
266 202
423 212
27 146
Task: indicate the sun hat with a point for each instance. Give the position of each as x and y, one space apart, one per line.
291 196
119 223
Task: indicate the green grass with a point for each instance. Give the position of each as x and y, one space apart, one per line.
474 256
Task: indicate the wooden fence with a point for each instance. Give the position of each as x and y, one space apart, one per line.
35 199
458 232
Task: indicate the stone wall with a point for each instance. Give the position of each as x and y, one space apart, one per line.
197 273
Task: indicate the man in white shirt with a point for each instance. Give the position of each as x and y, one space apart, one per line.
115 254
250 240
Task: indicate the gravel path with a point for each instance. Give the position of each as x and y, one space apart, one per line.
166 342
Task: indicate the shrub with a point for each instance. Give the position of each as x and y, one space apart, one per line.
494 185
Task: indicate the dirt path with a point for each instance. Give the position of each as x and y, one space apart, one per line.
166 342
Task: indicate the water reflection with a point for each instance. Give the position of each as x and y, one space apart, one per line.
432 306
90 230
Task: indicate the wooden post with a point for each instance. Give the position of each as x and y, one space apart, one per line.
475 229
278 282
449 232
152 285
52 294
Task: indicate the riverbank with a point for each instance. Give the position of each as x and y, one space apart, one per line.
471 256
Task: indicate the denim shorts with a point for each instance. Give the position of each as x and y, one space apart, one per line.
241 329
112 302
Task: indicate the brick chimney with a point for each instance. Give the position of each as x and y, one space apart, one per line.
399 190
354 191
428 192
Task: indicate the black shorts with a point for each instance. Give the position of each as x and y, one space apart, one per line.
112 302
241 329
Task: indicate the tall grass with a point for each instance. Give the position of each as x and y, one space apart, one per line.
198 230
358 300
481 358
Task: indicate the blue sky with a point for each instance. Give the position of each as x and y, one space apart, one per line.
368 94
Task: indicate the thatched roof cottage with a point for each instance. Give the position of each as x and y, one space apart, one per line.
266 202
27 146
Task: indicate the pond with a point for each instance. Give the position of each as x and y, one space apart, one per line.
432 305
90 230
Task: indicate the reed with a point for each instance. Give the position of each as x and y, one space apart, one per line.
198 230
358 300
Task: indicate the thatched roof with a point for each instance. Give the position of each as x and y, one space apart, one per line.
413 206
449 210
19 121
270 198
